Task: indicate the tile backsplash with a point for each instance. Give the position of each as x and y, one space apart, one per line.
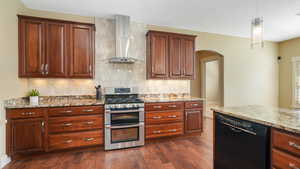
113 75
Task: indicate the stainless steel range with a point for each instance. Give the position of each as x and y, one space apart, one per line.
124 118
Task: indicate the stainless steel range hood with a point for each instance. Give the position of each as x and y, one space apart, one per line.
122 24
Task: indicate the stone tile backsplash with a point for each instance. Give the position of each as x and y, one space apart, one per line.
113 75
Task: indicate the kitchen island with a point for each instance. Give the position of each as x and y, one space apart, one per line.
282 132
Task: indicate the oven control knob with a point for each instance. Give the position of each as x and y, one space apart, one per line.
128 106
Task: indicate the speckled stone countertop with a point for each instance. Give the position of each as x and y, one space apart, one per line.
54 101
285 119
84 100
170 99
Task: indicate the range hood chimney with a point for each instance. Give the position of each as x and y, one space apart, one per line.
122 24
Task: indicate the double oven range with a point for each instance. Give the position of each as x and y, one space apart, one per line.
124 118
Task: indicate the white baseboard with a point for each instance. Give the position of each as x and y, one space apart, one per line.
4 160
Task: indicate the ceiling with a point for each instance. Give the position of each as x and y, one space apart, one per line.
228 17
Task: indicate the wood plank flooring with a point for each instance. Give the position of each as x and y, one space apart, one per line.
193 152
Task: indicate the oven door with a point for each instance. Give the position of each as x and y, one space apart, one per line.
124 117
117 137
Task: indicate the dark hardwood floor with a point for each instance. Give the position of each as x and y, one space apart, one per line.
194 152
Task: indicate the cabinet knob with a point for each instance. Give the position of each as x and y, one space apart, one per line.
156 132
294 145
293 166
89 139
156 117
172 116
68 141
66 111
67 124
157 107
89 110
172 130
89 122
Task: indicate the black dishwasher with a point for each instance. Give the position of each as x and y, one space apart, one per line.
240 144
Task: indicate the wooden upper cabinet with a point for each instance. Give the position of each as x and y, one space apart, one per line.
175 57
170 55
82 51
55 48
187 56
158 55
31 48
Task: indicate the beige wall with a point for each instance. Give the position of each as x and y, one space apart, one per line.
287 50
250 75
212 81
10 85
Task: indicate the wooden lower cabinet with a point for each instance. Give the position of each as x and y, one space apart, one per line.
193 116
78 139
27 135
285 150
38 130
173 118
162 130
193 121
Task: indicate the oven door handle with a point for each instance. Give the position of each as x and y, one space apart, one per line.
126 126
123 111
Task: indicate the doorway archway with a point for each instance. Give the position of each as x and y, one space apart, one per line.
203 57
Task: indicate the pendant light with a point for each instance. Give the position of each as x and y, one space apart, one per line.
257 30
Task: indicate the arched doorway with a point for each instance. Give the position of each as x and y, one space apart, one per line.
209 83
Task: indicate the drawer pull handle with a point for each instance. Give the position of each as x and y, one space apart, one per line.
28 113
172 116
89 139
293 166
89 123
89 110
157 107
292 144
156 132
172 106
172 130
67 124
156 117
195 104
68 141
67 111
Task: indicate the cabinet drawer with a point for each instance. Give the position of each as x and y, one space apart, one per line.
25 113
193 105
154 131
164 106
76 123
284 161
83 110
78 139
164 117
287 142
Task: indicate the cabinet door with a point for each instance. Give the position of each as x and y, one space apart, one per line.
159 55
82 51
175 57
56 49
27 135
188 54
193 121
31 47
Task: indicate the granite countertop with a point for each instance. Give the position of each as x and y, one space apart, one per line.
280 118
84 100
54 101
171 99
